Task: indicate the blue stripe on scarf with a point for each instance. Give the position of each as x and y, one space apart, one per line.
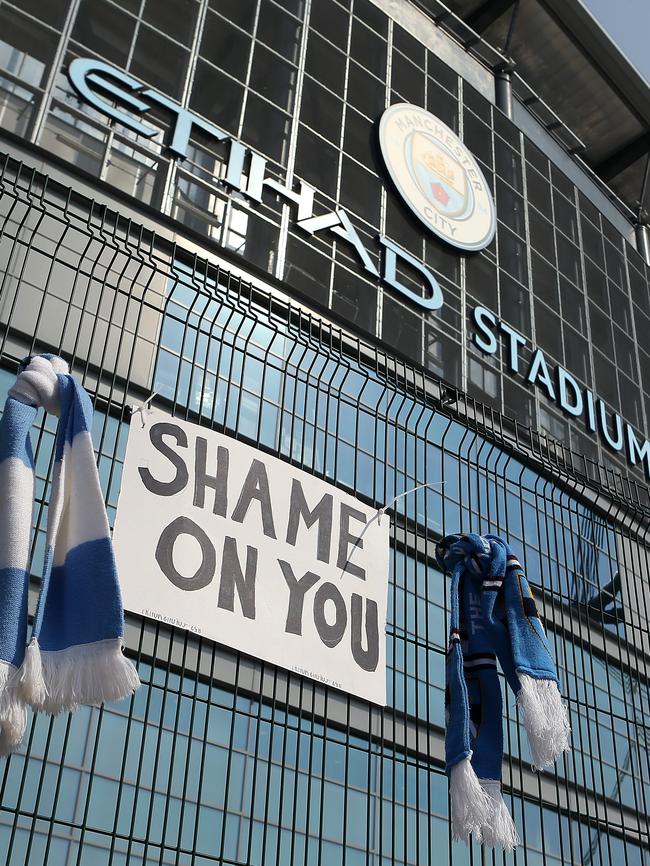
14 586
77 409
71 594
79 608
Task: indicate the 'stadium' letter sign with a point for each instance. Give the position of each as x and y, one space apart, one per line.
218 538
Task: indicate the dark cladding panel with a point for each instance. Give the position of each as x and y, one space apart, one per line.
321 110
354 299
326 63
159 61
217 97
267 128
278 30
308 270
368 49
332 22
103 29
442 355
401 328
226 46
407 80
360 191
481 281
176 18
317 161
365 92
515 304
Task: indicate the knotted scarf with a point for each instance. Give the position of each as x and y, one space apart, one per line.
75 653
493 616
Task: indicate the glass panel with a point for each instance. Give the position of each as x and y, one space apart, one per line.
26 48
198 206
132 171
17 105
73 139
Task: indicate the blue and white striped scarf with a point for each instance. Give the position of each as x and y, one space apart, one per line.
493 616
75 653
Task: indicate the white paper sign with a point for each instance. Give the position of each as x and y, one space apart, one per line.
218 538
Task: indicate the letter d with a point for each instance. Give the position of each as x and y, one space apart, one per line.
564 379
391 253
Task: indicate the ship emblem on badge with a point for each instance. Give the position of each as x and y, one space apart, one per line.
437 176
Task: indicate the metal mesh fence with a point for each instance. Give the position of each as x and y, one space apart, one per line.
223 759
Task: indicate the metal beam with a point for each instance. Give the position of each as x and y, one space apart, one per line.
503 90
486 14
625 157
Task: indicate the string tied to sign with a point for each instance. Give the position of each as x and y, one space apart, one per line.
382 511
431 485
143 409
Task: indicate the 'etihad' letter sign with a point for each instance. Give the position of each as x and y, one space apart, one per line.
215 537
124 99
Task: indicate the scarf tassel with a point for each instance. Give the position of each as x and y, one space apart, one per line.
30 676
545 718
500 829
471 806
55 682
478 809
12 710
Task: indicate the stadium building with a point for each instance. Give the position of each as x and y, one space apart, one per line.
394 244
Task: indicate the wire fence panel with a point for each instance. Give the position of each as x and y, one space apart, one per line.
223 759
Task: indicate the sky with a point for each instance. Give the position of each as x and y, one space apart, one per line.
628 24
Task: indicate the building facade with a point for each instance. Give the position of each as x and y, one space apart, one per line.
194 204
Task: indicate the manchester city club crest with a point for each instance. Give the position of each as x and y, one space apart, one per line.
441 178
437 176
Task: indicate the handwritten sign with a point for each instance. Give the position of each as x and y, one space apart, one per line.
218 538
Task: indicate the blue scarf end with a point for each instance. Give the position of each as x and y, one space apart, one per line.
493 618
75 654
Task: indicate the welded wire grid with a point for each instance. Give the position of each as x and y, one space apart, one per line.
223 759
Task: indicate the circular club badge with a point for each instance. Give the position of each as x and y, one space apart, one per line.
437 176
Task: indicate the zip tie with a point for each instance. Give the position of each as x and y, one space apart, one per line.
144 407
384 509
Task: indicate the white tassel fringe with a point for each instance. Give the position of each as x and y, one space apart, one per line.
471 806
30 676
13 717
85 674
500 829
545 718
